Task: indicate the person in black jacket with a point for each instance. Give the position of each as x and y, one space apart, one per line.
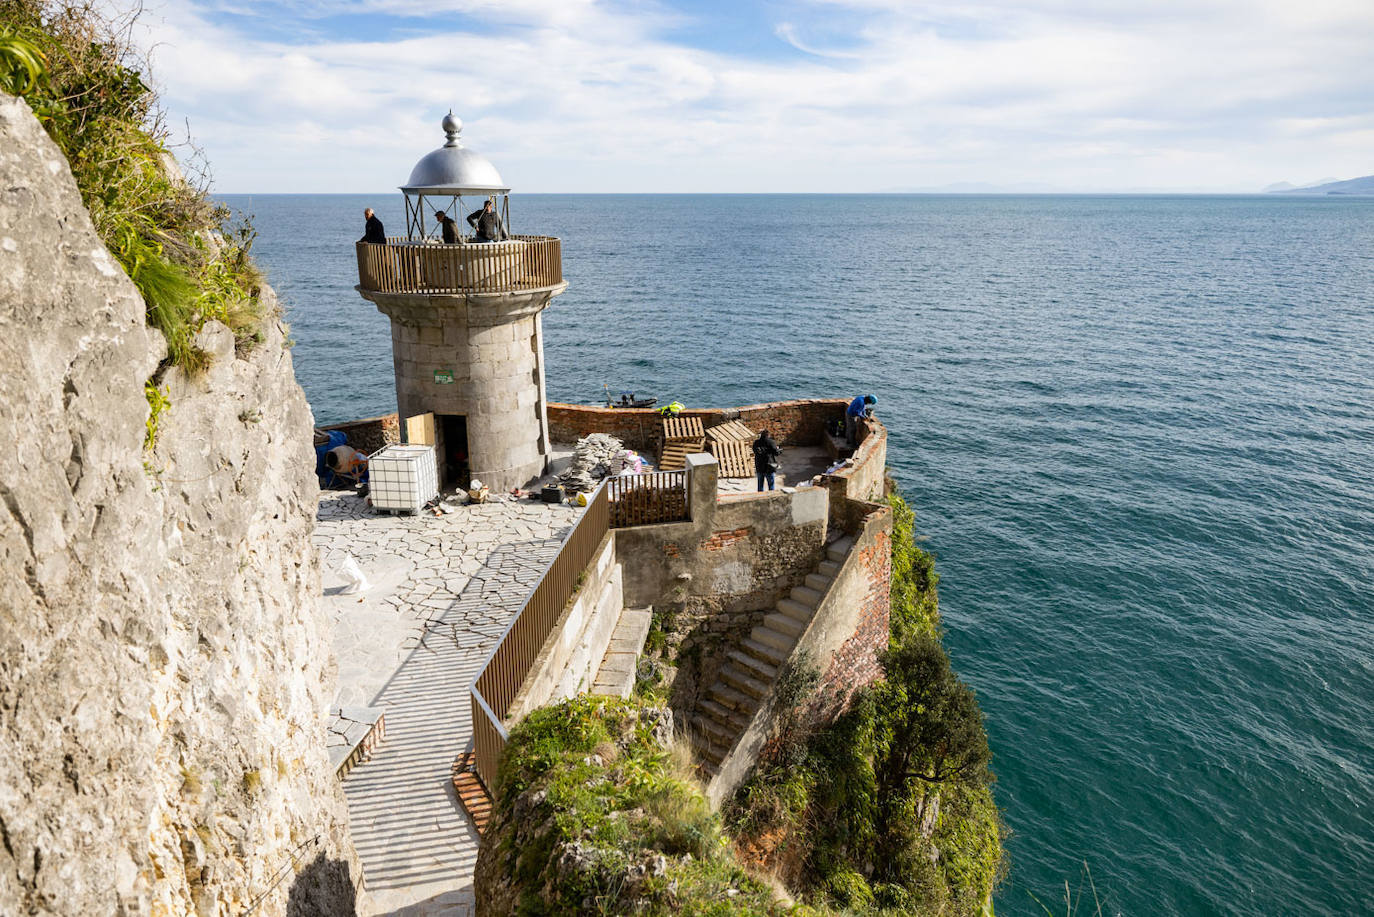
373 231
450 228
766 453
487 222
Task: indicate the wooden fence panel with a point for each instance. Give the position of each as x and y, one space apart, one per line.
644 499
496 686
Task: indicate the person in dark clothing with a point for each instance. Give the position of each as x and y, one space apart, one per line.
861 406
449 227
766 453
373 231
487 222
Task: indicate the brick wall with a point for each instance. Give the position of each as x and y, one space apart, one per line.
855 664
793 423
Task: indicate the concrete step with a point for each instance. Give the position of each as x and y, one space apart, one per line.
712 748
352 735
708 730
818 581
739 679
796 611
805 595
725 716
711 756
738 701
837 550
780 642
765 653
785 623
632 629
753 666
615 676
830 568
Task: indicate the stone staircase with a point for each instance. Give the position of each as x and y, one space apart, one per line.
752 667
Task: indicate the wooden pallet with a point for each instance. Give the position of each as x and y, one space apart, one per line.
731 430
735 458
673 457
682 428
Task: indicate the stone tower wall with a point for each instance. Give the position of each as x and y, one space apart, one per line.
491 346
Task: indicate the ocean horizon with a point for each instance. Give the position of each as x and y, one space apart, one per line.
1137 431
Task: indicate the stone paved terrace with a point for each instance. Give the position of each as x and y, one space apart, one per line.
442 590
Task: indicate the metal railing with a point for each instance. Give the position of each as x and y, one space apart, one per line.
499 681
408 266
643 499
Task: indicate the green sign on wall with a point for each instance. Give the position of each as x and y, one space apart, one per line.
443 377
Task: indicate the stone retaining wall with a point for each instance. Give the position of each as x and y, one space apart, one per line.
370 433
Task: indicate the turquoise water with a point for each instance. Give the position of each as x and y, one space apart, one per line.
1138 431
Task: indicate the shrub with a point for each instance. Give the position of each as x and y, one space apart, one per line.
79 73
587 795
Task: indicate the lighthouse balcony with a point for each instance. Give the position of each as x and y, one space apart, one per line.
521 264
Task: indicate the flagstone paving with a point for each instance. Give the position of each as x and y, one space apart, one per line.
441 591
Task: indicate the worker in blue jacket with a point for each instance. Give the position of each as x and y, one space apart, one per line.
861 406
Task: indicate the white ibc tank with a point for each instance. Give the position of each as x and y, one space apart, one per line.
403 477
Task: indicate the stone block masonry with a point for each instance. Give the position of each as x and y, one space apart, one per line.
481 357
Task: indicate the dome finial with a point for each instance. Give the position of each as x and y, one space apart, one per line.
452 127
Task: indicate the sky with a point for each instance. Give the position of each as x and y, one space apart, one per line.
758 96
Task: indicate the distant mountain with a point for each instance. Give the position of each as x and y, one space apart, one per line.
1364 185
1280 186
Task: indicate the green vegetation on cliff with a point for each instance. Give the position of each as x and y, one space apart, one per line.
75 67
889 808
596 813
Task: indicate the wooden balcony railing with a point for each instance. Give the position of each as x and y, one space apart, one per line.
405 266
499 681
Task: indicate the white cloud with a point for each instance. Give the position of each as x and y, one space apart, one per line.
572 95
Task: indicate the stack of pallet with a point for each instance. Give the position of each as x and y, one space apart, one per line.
682 436
732 445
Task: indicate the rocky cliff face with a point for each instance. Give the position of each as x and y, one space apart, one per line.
164 664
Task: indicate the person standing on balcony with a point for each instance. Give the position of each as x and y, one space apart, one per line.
766 453
861 406
487 222
449 227
372 230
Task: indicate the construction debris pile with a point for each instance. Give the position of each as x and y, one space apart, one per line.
595 456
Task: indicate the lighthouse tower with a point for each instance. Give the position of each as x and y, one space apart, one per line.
466 335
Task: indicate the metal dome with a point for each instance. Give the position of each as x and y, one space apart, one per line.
454 169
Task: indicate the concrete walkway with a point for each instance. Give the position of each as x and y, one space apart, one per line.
444 589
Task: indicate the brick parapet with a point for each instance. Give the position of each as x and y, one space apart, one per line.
864 477
799 422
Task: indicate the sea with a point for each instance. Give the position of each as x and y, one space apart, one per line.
1138 434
